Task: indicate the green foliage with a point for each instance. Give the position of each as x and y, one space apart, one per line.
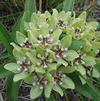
30 7
51 47
5 38
12 89
88 90
3 72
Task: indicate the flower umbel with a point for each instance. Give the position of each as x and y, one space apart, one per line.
52 45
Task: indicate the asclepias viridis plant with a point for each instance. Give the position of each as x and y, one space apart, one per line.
52 47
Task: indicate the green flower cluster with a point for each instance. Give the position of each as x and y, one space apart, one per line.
52 46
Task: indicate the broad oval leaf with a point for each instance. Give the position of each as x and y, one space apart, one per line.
58 89
20 76
89 61
71 55
66 41
48 90
67 83
12 67
35 92
20 37
96 73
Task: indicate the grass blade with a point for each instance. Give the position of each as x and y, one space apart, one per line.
15 28
12 89
90 89
4 73
5 39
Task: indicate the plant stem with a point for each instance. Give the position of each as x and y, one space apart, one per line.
40 5
46 5
66 96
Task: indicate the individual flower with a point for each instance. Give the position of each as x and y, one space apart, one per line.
41 83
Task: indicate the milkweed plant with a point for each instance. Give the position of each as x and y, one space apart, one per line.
52 47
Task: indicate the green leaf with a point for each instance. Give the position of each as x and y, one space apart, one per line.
65 16
89 61
66 41
80 69
56 34
44 27
82 16
6 39
15 28
67 83
96 73
78 23
30 7
40 70
90 89
77 44
52 67
67 69
52 98
16 46
92 25
20 76
62 62
58 89
29 79
34 18
48 90
83 90
49 77
31 57
4 73
82 80
68 5
4 55
20 37
49 86
97 66
12 67
12 89
35 92
18 54
96 45
71 55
